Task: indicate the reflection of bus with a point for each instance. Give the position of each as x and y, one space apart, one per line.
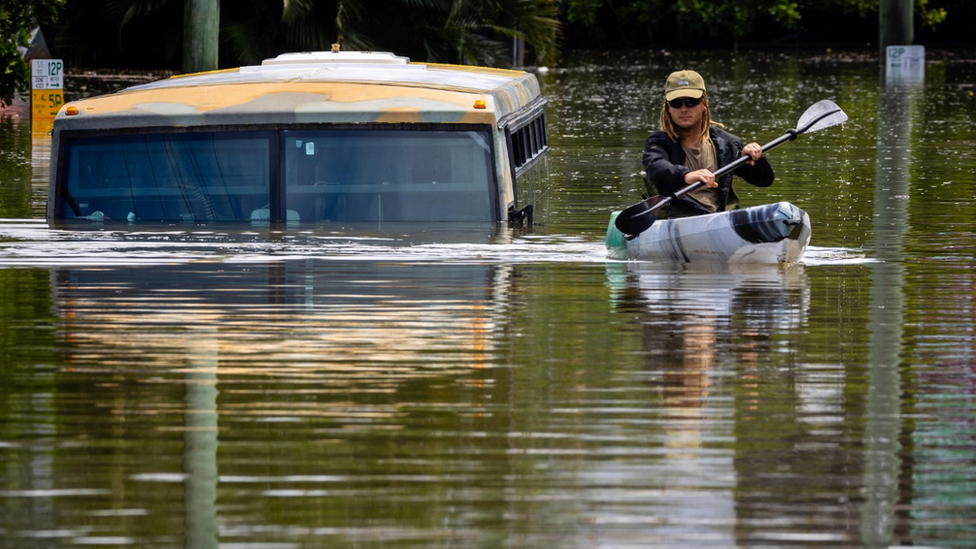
339 321
308 137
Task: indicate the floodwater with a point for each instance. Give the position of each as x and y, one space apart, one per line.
196 386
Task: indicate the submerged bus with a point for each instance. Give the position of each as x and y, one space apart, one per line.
308 138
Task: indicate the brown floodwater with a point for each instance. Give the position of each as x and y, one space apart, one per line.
479 386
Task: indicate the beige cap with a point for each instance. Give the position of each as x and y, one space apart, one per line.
684 84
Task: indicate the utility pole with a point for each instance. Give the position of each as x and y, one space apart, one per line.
201 30
895 24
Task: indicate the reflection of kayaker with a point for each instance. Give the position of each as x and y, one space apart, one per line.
689 148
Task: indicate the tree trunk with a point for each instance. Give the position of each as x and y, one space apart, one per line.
201 30
895 24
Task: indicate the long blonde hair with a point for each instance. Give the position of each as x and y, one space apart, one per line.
668 125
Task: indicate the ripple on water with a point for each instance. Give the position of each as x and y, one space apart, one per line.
817 256
33 243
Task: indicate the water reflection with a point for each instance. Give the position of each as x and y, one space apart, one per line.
337 351
375 317
701 327
896 113
694 316
40 162
200 440
747 299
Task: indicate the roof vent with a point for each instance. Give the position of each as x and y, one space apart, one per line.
337 58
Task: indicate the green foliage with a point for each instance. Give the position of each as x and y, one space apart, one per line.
17 19
128 10
717 19
785 13
451 31
685 22
582 11
148 33
931 17
928 16
14 77
716 23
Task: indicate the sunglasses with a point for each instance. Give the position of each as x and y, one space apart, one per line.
686 101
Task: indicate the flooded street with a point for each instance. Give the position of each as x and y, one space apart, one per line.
474 386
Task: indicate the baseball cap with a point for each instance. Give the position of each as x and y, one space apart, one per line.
684 84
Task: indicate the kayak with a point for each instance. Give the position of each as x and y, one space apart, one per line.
771 233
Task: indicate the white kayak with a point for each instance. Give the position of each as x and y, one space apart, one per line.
771 233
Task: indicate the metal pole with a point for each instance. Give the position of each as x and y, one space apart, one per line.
201 30
518 53
896 27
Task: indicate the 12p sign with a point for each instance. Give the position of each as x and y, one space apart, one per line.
47 88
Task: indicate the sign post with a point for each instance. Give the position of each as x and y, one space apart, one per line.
47 92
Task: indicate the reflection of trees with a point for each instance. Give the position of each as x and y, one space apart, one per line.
27 407
15 194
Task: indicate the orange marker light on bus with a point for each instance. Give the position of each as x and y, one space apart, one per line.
479 104
71 111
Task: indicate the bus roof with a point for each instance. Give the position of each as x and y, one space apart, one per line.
313 87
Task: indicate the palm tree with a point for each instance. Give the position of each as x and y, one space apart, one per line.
452 31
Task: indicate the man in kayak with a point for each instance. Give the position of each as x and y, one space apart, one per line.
689 148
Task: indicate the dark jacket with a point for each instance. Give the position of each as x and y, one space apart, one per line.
664 164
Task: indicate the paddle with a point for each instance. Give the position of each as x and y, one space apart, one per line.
638 218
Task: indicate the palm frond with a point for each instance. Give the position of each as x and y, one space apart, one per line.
127 10
293 10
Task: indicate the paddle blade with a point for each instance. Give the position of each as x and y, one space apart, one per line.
637 218
820 115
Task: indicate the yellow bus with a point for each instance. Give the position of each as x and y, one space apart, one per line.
308 138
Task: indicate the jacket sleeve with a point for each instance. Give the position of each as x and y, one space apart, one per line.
666 175
760 174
